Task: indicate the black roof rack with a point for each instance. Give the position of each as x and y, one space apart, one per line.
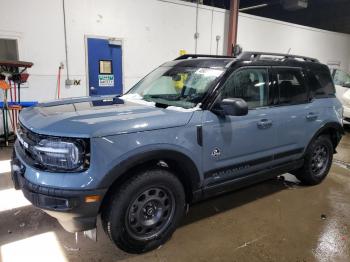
257 55
186 56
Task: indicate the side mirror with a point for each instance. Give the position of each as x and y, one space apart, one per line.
231 107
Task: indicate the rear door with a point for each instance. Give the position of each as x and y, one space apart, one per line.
105 67
296 115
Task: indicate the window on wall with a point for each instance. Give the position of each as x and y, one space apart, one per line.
291 84
8 49
248 84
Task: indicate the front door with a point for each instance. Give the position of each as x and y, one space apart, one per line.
105 67
234 146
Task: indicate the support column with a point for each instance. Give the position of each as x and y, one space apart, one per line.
233 26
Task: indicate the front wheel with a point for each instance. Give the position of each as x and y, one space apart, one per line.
145 211
318 161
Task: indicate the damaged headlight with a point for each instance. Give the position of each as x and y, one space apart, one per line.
64 155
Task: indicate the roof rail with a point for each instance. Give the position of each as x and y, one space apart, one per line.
192 56
257 55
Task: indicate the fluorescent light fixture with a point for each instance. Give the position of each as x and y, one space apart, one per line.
44 247
253 7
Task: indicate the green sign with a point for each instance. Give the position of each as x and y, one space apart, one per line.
106 80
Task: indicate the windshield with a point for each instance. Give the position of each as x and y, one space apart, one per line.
176 86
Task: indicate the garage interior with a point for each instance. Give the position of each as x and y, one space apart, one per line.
71 47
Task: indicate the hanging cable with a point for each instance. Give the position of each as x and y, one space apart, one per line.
65 37
196 35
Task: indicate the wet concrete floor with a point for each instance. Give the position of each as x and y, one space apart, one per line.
277 220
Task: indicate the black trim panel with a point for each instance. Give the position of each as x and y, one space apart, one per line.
230 185
289 153
254 162
200 135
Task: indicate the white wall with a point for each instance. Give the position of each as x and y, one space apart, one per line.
153 31
261 34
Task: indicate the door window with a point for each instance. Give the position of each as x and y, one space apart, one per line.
291 85
341 78
249 84
105 66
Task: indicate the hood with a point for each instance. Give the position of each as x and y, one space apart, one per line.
96 117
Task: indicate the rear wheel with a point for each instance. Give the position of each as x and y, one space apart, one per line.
145 211
318 161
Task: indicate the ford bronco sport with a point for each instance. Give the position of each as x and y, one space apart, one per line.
193 128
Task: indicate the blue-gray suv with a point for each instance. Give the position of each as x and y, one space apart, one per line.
193 128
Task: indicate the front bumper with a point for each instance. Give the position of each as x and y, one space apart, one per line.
69 207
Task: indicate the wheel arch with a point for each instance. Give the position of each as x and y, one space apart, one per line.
180 164
335 131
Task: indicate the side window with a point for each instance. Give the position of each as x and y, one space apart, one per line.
248 84
341 78
291 85
321 84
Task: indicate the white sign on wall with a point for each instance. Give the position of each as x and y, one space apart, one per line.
106 80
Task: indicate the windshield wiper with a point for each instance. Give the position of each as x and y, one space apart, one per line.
161 105
167 97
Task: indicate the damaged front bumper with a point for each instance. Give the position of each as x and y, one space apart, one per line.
73 209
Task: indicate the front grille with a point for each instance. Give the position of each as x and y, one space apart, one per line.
29 140
28 135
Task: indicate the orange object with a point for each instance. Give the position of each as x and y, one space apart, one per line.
92 198
4 85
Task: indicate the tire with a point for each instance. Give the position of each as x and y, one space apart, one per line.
144 211
317 161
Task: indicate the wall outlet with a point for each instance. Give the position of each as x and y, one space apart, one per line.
69 82
73 82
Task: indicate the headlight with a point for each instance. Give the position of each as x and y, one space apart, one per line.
59 154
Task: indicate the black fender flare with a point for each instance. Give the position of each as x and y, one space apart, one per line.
186 164
329 126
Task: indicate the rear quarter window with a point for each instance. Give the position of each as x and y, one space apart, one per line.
321 84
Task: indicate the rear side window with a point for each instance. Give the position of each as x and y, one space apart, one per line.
321 84
249 84
291 86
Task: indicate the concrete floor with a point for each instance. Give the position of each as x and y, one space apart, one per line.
273 221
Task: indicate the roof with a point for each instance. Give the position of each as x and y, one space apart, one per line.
201 62
251 58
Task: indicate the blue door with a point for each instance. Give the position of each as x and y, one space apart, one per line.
235 146
105 67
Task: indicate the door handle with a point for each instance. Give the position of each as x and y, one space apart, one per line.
264 123
311 116
92 90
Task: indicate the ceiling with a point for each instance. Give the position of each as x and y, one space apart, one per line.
333 15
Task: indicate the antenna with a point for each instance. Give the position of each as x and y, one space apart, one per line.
289 51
